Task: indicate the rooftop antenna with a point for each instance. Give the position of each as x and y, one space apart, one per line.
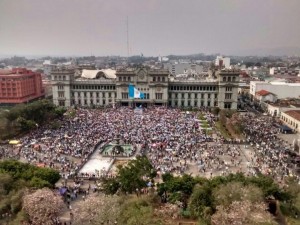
127 38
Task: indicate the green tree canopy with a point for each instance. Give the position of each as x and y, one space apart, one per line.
132 177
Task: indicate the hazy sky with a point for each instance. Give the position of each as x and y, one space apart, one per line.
156 27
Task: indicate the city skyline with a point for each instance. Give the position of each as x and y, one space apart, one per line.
75 28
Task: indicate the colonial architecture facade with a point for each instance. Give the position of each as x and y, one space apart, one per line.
158 86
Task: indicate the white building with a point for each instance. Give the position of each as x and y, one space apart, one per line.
265 96
292 119
183 68
223 62
102 89
275 109
280 89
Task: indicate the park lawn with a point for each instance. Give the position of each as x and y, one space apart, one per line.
222 130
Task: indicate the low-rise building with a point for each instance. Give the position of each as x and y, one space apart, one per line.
281 89
276 108
284 71
292 119
263 96
20 85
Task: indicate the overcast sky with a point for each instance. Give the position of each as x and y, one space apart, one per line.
156 27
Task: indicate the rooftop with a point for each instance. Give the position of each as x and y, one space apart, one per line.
293 103
264 93
294 113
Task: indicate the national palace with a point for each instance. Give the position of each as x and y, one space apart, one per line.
100 88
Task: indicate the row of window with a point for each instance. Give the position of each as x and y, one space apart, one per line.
16 79
94 87
192 88
193 103
8 89
172 88
227 105
154 79
8 84
229 79
196 95
147 95
97 94
59 77
289 121
91 102
124 95
228 89
158 79
123 78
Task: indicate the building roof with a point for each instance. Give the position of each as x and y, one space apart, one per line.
94 74
5 72
294 113
264 93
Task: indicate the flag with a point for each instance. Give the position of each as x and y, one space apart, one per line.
134 93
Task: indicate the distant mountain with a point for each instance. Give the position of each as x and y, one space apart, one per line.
280 51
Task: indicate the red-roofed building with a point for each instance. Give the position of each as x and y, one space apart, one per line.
292 119
20 85
264 96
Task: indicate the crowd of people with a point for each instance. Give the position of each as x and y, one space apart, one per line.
172 139
272 155
168 135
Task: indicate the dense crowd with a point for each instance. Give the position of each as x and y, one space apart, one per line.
272 155
173 141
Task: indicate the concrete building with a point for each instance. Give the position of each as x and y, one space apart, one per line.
275 109
158 86
280 89
48 66
284 71
265 96
222 62
292 119
20 85
183 68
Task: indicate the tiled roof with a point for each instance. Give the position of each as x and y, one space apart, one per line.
294 113
263 93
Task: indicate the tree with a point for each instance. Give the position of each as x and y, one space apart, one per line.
43 206
25 117
216 110
138 211
235 191
201 202
177 188
132 177
100 209
242 213
6 183
19 170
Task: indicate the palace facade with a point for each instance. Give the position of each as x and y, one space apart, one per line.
159 88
